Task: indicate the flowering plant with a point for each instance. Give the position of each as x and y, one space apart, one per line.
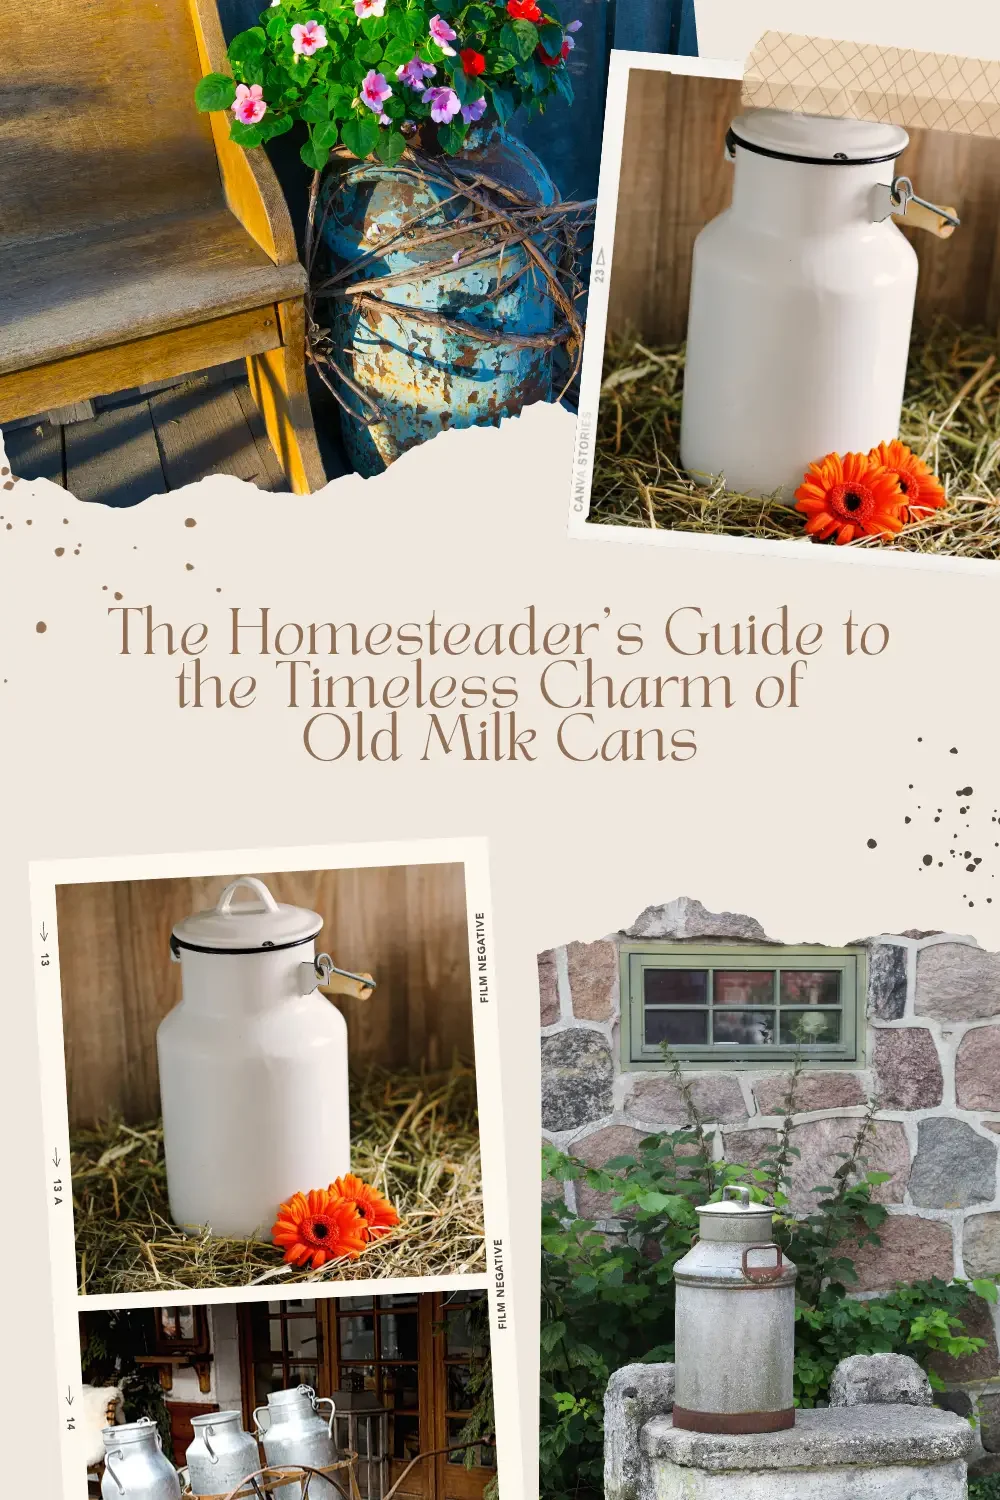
376 75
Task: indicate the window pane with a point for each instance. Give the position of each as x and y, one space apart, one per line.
404 1437
294 1304
304 1338
678 1027
484 1454
400 1388
266 1378
743 987
460 1337
357 1378
748 1028
357 1338
807 1028
810 987
274 1335
400 1335
302 1374
404 1299
355 1303
459 1395
675 986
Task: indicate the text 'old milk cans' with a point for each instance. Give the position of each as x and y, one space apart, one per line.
293 1430
802 296
135 1467
734 1342
253 1064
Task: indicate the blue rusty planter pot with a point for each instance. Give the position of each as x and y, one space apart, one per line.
424 378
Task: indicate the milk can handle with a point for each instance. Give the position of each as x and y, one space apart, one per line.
207 1432
256 1420
763 1273
325 1401
225 901
742 1193
107 1464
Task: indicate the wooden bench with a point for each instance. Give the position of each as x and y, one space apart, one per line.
136 241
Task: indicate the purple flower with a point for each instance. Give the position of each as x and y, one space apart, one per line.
415 73
473 111
574 26
375 91
442 33
444 103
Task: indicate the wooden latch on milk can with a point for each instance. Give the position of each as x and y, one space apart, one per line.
334 981
898 200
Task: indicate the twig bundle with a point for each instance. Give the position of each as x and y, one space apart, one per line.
477 220
415 1137
951 419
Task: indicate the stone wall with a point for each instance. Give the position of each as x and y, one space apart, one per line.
932 1064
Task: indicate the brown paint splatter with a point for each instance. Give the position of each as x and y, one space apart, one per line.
119 596
60 551
189 567
190 521
41 627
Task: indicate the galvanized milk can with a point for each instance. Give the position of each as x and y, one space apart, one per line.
734 1323
801 305
297 1433
134 1465
253 1063
222 1454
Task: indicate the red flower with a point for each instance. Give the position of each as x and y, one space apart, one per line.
524 10
473 62
549 60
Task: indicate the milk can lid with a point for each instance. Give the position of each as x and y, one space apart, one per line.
256 926
817 139
736 1204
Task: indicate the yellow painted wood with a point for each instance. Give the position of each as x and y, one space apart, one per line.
278 385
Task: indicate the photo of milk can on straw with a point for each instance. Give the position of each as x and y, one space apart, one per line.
253 1063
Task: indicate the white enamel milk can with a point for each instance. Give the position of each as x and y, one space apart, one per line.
253 1064
222 1454
134 1464
802 297
734 1341
293 1430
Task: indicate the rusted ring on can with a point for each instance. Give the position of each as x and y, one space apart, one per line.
763 1273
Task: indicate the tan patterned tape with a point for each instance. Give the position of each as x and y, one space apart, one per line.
859 81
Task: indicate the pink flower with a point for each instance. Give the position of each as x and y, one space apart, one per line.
444 103
365 8
375 91
249 106
308 38
384 120
415 72
442 33
474 111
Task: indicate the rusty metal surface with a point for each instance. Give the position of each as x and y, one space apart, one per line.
734 1422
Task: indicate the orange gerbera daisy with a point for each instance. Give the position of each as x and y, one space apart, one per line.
849 497
920 489
377 1212
315 1227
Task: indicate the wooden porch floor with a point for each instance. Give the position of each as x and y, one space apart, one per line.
141 444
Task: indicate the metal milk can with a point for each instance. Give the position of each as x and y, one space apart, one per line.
221 1455
298 1433
134 1464
801 305
253 1063
734 1323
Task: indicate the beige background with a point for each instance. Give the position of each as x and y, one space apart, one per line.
772 816
405 925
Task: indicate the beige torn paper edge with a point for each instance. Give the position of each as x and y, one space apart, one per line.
859 81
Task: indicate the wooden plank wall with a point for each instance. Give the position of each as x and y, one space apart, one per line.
406 925
674 179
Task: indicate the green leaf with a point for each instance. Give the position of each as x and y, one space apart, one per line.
519 38
391 145
214 91
985 1289
368 53
249 136
452 136
503 102
551 38
374 27
360 135
316 108
563 82
247 48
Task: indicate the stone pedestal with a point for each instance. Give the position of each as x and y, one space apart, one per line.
836 1453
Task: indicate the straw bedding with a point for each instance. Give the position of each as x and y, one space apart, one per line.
951 419
415 1137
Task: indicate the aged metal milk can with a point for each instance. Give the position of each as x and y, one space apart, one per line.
801 305
296 1432
253 1064
134 1465
734 1323
222 1454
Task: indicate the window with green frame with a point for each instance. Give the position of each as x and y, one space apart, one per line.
742 1004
